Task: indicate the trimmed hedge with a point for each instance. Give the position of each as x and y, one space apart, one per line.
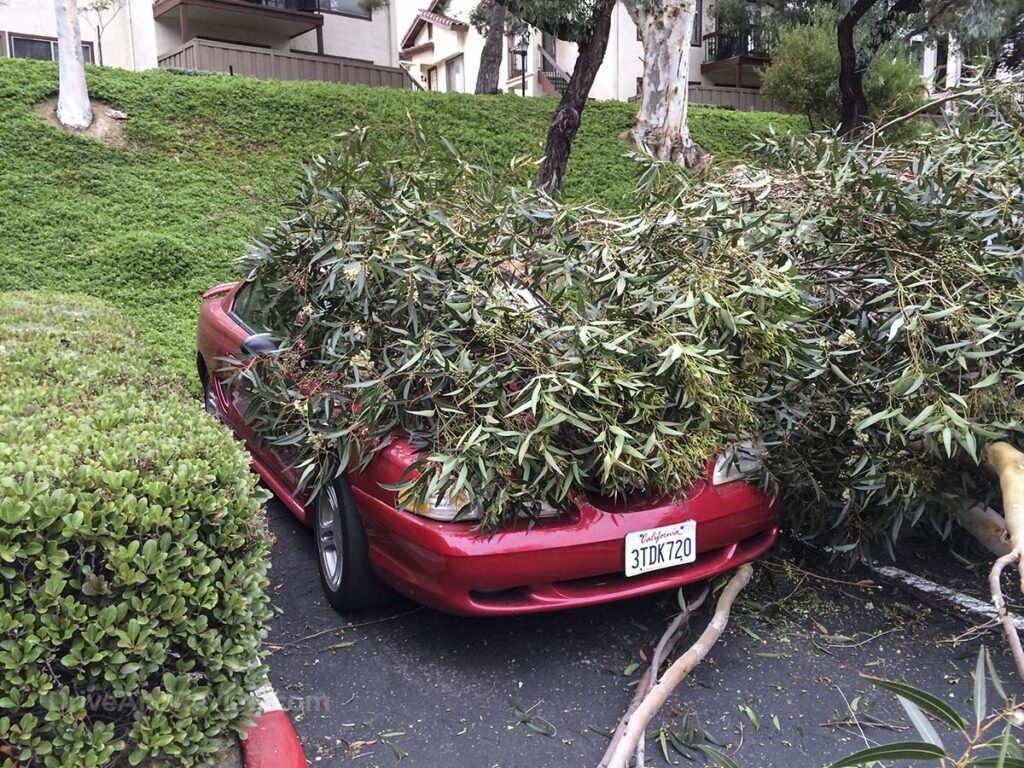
133 550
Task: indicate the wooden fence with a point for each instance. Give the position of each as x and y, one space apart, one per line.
742 99
267 64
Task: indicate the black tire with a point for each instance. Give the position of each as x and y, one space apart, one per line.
348 582
210 404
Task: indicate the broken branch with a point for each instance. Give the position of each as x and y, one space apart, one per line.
635 723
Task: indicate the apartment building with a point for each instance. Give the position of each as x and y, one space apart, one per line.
335 40
442 52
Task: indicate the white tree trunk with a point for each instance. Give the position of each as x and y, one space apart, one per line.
666 27
73 109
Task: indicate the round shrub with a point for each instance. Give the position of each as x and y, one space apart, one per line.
133 551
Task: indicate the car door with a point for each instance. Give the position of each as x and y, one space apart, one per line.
247 310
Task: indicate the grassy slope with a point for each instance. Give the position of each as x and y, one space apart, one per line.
151 226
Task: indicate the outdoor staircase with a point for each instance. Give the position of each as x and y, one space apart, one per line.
558 82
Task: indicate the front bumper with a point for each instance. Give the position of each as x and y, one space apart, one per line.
566 562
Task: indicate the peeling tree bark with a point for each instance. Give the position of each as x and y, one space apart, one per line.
666 27
987 526
566 120
490 56
1008 463
73 108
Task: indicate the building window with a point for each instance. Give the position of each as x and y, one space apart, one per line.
42 48
698 24
347 7
432 79
455 75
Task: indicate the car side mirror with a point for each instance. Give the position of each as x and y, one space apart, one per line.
260 344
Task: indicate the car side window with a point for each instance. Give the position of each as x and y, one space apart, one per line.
251 307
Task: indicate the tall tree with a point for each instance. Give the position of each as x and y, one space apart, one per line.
588 24
865 26
73 108
494 47
566 120
666 27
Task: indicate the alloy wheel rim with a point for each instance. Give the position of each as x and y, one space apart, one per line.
328 538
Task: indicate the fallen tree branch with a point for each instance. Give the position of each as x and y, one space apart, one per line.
634 724
1008 463
661 651
986 525
664 647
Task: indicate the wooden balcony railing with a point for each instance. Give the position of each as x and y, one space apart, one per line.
228 58
309 6
749 41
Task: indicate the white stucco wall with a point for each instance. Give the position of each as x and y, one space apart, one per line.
374 39
623 61
127 38
133 39
449 44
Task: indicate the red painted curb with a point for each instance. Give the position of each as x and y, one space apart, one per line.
273 743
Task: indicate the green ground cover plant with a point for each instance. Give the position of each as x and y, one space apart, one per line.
133 550
210 159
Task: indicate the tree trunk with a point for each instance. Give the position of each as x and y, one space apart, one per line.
853 103
490 56
566 120
73 109
666 27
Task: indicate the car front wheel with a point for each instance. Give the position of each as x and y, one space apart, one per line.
210 403
345 574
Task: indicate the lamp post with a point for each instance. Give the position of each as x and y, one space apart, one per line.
521 48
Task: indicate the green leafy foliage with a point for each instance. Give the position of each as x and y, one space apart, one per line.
529 348
913 264
133 550
859 307
804 70
804 74
209 161
992 740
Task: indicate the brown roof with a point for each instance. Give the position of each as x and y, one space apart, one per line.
428 16
408 53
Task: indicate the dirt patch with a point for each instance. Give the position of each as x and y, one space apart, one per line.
105 128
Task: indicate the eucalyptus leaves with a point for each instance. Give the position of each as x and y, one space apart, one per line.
861 309
532 349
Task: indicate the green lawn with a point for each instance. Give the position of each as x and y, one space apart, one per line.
210 161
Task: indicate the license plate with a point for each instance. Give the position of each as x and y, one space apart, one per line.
659 548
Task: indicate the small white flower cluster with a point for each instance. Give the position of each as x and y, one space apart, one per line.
858 415
362 361
847 338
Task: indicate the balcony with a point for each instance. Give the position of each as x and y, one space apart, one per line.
200 55
260 22
735 57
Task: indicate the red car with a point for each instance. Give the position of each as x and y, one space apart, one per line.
598 551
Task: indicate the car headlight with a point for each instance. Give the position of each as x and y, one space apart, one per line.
737 462
445 509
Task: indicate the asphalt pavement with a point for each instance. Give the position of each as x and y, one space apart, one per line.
409 686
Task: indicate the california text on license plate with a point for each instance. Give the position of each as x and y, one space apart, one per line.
659 548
